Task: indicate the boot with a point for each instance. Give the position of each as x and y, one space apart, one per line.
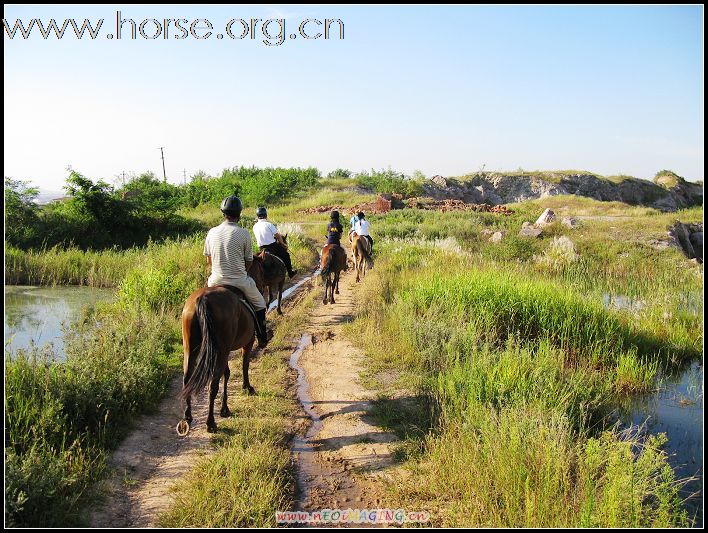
261 330
292 273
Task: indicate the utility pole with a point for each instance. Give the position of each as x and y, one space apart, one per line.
185 176
164 174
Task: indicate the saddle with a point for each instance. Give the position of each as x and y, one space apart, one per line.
242 297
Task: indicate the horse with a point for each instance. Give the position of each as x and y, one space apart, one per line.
274 272
333 261
361 252
215 322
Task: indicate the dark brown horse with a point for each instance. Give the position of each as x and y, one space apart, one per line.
333 261
215 322
274 272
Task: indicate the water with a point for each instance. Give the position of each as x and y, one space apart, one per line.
36 315
677 410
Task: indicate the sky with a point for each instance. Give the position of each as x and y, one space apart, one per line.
443 90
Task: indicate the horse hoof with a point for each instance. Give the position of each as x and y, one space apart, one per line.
211 428
183 428
280 312
324 302
249 390
225 413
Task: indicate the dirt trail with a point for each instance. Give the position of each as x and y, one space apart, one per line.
343 449
151 459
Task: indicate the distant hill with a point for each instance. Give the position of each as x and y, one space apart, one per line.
667 192
44 197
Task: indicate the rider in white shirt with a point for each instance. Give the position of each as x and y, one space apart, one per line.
270 240
362 227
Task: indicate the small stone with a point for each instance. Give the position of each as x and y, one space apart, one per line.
546 217
496 237
530 231
570 222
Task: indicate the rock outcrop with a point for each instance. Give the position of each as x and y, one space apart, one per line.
688 237
667 192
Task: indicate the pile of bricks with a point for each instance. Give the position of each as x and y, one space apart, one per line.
378 206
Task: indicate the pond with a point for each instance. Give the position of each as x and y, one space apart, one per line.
676 409
35 315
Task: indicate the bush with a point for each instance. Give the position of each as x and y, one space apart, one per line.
390 182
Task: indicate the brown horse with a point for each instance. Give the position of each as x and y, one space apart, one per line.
361 251
274 272
215 322
333 261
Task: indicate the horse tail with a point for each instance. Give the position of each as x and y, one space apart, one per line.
207 357
327 264
365 252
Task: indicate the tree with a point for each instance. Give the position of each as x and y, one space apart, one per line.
21 220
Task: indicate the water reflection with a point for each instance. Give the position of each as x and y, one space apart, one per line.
36 315
676 409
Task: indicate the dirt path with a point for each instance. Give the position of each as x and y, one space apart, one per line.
150 460
343 449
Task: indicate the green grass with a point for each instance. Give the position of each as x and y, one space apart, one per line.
518 364
62 419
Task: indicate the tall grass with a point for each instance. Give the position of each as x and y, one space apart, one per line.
520 370
63 418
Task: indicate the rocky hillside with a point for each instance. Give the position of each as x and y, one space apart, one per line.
667 191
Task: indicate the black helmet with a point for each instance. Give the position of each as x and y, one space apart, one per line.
232 206
360 215
334 215
261 212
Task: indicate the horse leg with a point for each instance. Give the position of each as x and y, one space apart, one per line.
270 297
246 359
357 267
224 405
326 284
333 287
213 392
280 296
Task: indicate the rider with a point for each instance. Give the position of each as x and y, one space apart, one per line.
270 240
334 229
352 225
229 251
362 227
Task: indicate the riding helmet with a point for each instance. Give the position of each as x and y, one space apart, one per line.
232 206
360 215
334 215
261 212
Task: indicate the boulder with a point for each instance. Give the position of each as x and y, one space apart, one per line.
696 239
530 231
546 217
570 222
680 233
496 237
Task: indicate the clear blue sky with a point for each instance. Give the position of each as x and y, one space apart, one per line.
441 89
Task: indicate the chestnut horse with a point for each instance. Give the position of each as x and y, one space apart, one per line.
333 261
274 272
361 252
215 322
